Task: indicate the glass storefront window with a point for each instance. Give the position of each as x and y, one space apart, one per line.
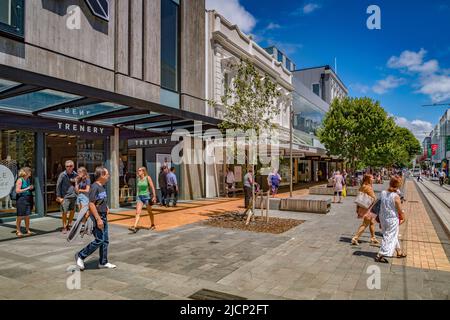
127 174
16 151
304 171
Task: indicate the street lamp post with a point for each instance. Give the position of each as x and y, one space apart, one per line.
291 125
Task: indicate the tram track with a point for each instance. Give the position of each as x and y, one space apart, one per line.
439 200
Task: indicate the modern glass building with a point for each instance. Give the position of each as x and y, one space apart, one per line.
100 86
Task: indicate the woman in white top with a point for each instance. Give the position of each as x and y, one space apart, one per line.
230 180
391 216
338 185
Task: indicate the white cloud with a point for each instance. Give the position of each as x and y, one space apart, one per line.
408 59
287 48
419 128
432 81
437 87
360 88
306 9
384 85
273 26
233 11
310 7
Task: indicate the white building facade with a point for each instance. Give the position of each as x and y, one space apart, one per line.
226 47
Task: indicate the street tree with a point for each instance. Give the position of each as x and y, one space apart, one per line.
250 102
356 129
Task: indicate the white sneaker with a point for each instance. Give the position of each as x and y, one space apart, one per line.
107 266
79 262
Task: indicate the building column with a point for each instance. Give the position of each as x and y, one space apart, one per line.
39 183
114 167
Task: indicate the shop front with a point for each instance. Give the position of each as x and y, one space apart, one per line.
152 153
45 145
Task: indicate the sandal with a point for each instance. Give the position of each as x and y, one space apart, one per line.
153 227
29 233
355 242
19 234
381 259
374 241
133 229
401 255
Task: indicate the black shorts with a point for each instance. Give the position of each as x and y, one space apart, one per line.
338 193
24 206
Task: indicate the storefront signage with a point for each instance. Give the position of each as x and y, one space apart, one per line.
313 158
76 127
151 142
90 157
434 148
6 181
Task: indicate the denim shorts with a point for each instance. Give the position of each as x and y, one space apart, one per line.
82 199
145 199
68 205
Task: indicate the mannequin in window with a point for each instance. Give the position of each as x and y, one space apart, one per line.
11 165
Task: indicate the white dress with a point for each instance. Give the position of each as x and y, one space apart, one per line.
389 224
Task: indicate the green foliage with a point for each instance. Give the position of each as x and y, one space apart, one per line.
359 130
251 100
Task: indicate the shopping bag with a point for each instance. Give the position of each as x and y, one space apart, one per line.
344 192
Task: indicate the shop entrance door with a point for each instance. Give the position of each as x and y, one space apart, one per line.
59 149
88 153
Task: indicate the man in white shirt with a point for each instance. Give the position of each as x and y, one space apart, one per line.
441 177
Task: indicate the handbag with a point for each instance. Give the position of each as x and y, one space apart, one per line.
364 200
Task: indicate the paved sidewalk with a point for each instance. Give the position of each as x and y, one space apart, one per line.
312 261
186 212
419 236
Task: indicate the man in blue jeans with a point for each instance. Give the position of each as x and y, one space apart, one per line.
98 207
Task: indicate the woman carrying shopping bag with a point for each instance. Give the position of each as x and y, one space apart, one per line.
364 203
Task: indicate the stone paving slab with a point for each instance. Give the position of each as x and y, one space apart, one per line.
311 261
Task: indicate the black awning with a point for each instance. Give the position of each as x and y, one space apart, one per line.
30 93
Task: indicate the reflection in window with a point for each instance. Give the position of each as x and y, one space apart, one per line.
16 151
280 57
307 116
169 44
11 16
316 89
288 64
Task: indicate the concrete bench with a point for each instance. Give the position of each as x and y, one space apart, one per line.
306 204
324 191
274 204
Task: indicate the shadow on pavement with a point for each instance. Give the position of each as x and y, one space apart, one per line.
365 254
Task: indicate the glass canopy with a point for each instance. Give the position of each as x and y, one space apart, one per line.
46 103
5 85
31 102
79 113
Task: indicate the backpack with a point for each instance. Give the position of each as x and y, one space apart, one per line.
12 193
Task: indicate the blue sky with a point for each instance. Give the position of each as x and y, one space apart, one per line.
404 65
